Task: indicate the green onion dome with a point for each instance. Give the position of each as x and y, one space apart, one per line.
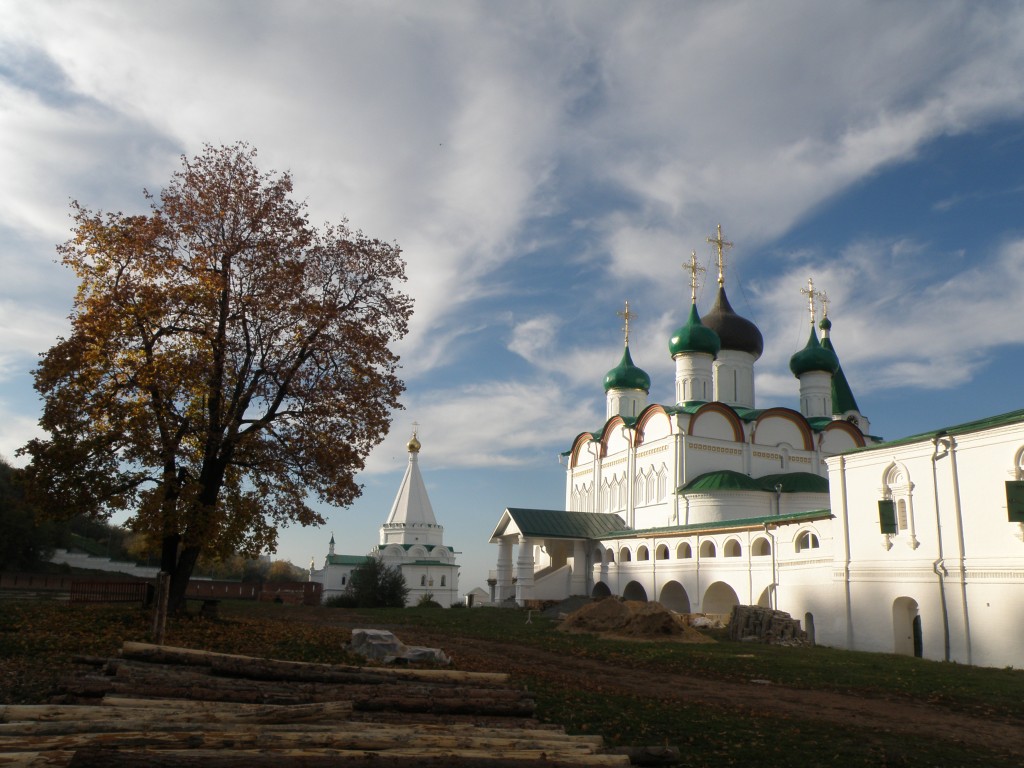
735 332
813 357
627 376
694 337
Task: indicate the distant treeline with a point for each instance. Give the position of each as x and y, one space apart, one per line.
31 537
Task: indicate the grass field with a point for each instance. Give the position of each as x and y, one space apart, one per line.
39 640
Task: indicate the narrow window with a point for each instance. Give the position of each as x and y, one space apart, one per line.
886 516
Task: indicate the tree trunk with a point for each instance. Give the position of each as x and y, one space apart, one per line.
180 576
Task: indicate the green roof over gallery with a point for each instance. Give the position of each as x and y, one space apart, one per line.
730 480
558 524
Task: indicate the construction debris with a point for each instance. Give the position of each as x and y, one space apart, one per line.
754 623
632 619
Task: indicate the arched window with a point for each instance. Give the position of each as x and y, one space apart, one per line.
761 547
598 556
707 549
806 540
898 489
643 553
639 486
442 581
423 580
625 555
732 548
652 488
684 551
661 553
609 556
662 484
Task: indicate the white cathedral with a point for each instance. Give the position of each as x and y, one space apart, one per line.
913 546
410 539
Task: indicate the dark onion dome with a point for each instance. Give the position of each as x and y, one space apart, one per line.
735 332
813 357
627 376
694 337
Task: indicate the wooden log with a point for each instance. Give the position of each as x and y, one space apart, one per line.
161 681
157 675
310 758
502 702
264 737
183 710
175 655
54 759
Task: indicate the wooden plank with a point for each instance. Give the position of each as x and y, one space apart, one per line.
312 758
172 654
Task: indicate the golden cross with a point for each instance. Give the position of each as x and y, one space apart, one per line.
627 316
722 244
693 268
810 293
824 304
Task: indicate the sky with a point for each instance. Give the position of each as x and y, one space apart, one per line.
541 163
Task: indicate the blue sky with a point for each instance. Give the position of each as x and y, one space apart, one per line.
541 163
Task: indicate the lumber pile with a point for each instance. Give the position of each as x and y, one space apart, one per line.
161 706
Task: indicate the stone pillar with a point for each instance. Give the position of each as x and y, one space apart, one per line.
524 570
580 571
503 585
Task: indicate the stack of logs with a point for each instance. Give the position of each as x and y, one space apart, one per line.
160 706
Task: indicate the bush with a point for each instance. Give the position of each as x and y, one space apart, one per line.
344 600
427 601
377 585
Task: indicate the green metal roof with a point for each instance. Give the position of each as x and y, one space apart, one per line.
730 480
626 375
347 559
724 525
407 547
721 480
990 422
795 482
813 357
694 337
559 524
843 400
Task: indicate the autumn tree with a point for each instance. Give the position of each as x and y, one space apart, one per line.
27 539
227 362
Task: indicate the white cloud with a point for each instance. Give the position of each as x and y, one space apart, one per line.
473 134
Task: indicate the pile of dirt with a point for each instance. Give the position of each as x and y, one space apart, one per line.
631 618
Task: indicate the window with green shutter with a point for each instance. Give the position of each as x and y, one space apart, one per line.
887 516
1015 501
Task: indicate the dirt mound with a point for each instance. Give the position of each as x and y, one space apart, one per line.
649 621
